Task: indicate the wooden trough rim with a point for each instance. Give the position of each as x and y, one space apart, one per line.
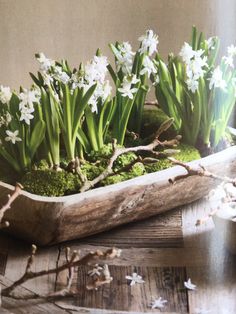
161 177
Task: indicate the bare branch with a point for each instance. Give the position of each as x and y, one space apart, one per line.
11 199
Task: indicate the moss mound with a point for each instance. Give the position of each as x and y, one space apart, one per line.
51 183
152 119
187 153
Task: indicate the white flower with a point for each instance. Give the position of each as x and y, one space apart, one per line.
5 94
231 50
126 90
158 303
26 115
217 80
148 67
189 285
135 278
192 84
60 75
125 58
149 42
228 60
28 98
12 136
96 69
187 52
106 90
45 63
95 271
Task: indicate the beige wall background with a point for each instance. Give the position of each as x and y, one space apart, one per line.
74 29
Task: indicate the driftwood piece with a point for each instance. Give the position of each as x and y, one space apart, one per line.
50 220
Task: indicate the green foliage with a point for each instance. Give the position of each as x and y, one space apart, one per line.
51 183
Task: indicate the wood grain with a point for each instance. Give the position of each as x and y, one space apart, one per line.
164 230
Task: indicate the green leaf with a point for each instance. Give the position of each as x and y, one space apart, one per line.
37 137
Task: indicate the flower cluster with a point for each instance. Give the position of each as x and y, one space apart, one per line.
127 89
95 72
216 80
149 42
26 105
124 58
231 53
5 94
196 65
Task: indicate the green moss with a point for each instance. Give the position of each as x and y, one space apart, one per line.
124 160
91 171
51 183
41 165
104 153
187 153
152 119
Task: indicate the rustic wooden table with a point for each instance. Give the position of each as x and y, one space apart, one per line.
166 250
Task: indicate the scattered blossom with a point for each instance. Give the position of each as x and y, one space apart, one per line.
231 50
149 42
189 285
217 80
148 67
60 75
12 136
95 271
126 89
26 105
158 303
187 52
5 94
135 278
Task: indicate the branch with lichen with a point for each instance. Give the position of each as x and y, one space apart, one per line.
118 151
7 206
72 261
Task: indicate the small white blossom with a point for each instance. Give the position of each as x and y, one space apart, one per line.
126 90
26 115
217 80
12 136
5 94
231 50
228 60
125 58
135 278
45 63
149 42
95 271
158 303
210 43
192 85
148 67
189 285
186 52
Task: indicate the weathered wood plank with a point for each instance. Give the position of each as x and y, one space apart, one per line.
164 230
120 296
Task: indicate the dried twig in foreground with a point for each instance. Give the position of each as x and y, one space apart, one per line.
71 262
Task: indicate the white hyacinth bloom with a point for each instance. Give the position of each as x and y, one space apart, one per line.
231 50
12 136
135 278
26 115
45 63
189 285
5 94
192 85
187 52
158 303
228 60
124 60
148 67
126 89
217 80
149 42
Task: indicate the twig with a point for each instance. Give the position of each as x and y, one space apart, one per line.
11 199
70 264
117 151
201 171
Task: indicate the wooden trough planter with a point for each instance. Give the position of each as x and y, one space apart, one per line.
49 220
